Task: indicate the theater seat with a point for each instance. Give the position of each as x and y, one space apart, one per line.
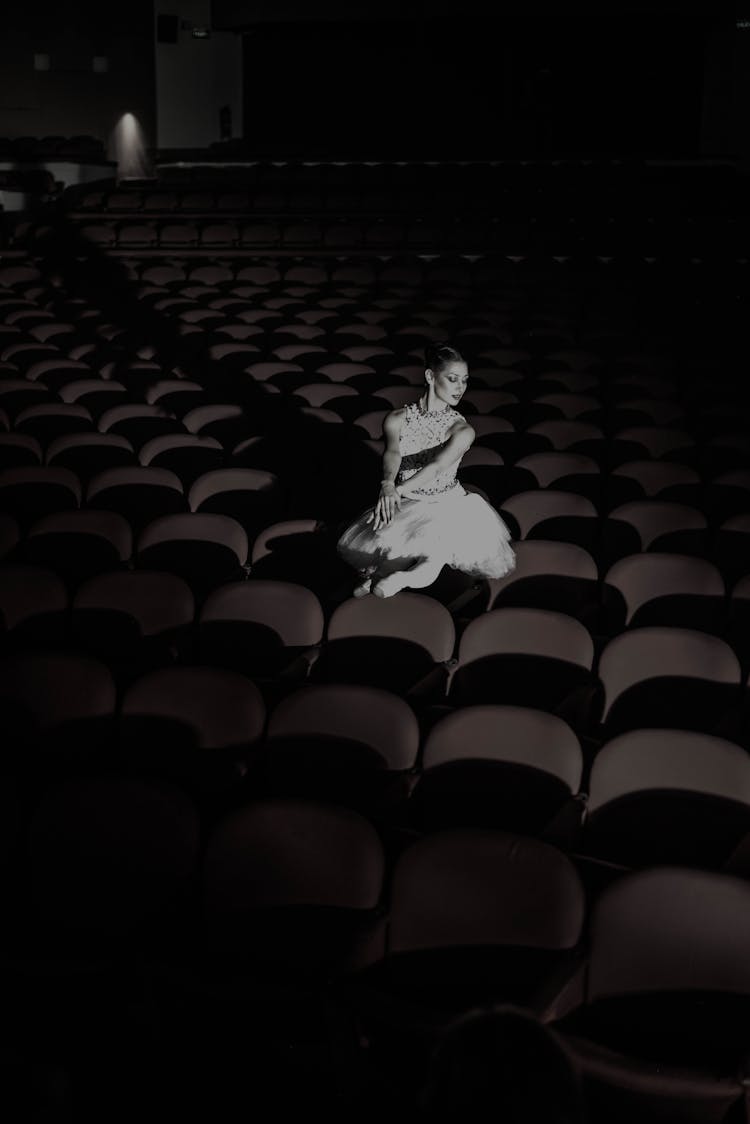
193 724
507 767
58 710
669 677
474 917
664 589
288 887
132 620
549 575
111 862
251 497
343 743
78 544
87 454
187 455
204 549
657 1024
401 644
139 494
269 630
661 796
28 494
527 657
33 607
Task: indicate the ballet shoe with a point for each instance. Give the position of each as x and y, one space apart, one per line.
363 589
386 587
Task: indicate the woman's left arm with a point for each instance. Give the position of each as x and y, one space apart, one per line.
460 440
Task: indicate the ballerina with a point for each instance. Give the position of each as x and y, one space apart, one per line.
424 518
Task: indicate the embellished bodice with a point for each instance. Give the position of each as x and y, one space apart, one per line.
423 435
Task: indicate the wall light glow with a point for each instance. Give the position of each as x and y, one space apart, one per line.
128 148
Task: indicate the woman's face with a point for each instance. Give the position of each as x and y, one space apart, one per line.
450 382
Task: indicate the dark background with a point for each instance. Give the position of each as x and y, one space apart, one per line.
412 80
476 88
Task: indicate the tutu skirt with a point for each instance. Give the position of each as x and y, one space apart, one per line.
456 527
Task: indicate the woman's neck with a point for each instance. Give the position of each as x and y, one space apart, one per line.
424 405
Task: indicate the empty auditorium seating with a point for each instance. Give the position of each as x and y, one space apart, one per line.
110 856
659 588
656 1023
475 916
665 676
378 811
549 575
33 606
508 767
527 657
195 724
132 620
78 544
667 796
401 644
345 743
58 711
275 861
263 628
204 549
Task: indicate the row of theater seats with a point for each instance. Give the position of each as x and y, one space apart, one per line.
514 209
560 187
260 705
80 147
96 488
506 283
198 439
540 476
295 325
347 233
669 506
292 904
682 655
706 239
546 414
629 446
255 802
551 283
37 180
252 299
263 198
493 204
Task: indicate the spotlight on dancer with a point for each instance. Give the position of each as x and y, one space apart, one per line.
424 518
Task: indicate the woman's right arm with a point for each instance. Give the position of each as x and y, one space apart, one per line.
389 497
392 453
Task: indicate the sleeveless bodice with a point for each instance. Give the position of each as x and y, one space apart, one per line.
423 434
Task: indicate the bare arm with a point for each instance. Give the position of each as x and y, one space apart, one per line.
392 454
389 497
460 440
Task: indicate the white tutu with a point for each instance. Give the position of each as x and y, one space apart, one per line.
455 527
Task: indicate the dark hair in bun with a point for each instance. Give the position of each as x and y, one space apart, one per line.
438 355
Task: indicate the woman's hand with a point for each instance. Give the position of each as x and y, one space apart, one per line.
385 508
